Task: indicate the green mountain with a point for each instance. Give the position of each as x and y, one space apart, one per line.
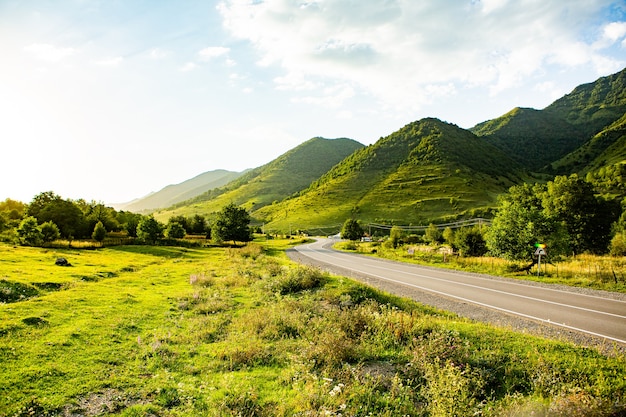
288 174
185 190
594 106
431 171
533 138
428 170
537 138
607 147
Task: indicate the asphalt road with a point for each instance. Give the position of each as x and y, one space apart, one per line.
592 312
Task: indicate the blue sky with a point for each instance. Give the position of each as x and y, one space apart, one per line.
109 100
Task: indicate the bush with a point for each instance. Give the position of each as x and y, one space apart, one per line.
618 244
296 280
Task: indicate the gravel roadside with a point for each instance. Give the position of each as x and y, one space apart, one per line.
483 314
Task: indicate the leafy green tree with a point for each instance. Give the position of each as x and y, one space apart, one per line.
99 232
29 232
67 215
587 218
98 212
470 242
396 234
232 223
175 230
12 212
41 201
49 232
618 244
520 222
129 222
448 237
433 235
150 230
181 220
351 230
198 225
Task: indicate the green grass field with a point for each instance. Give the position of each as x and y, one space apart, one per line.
161 331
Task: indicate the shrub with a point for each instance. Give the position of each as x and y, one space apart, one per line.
618 244
296 279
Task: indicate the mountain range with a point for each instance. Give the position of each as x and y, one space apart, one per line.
427 171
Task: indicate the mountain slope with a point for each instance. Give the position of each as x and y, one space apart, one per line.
605 148
282 177
185 190
428 170
537 138
531 137
593 106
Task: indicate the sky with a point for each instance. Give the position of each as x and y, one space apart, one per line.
109 100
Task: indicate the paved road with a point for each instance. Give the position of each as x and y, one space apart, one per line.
593 314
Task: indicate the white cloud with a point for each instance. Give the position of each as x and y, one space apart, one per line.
188 66
157 53
48 52
409 53
211 52
614 31
330 97
111 62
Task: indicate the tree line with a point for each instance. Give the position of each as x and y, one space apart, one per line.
49 217
567 216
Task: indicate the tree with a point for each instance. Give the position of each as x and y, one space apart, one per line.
99 232
433 234
449 237
181 220
618 244
395 236
586 217
49 232
67 215
232 223
40 201
175 230
351 230
197 225
150 230
129 221
29 232
520 223
97 212
470 242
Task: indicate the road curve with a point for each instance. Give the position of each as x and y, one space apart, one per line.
592 312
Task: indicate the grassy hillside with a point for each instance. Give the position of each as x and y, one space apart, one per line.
605 148
533 138
538 138
427 171
284 176
185 190
592 107
158 331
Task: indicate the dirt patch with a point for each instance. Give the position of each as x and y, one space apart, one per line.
102 403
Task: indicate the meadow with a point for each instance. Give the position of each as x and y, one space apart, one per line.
589 271
169 331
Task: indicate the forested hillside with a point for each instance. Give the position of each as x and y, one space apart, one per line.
538 138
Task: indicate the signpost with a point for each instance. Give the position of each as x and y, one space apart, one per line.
541 251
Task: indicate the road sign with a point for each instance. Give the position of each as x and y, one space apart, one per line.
540 252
